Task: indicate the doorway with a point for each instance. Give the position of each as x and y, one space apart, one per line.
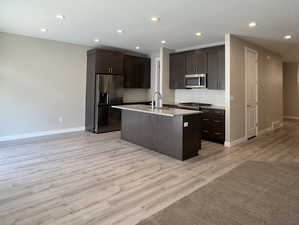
251 93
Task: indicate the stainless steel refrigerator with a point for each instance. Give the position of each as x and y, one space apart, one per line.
109 92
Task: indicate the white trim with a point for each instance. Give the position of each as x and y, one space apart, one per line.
200 46
236 142
41 133
227 87
246 50
259 133
291 117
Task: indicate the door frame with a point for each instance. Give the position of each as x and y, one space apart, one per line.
247 49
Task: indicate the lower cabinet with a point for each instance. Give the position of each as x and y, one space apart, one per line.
213 125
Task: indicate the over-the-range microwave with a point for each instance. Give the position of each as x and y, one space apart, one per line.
196 81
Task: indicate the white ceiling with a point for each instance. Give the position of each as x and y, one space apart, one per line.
180 19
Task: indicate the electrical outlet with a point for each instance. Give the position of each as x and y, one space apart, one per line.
60 119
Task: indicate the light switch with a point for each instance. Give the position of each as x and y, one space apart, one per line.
186 124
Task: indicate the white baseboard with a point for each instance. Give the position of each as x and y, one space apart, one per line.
264 131
41 133
236 142
291 117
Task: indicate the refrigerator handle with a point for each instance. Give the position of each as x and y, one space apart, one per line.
107 97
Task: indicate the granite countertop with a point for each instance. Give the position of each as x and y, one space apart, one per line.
204 107
164 111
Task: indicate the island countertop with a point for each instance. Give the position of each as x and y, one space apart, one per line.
164 111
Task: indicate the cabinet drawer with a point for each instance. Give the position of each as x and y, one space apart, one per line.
219 112
206 134
213 125
219 136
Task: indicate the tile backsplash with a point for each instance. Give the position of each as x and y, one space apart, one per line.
136 95
215 97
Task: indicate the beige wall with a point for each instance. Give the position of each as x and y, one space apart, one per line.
290 89
269 88
41 81
168 94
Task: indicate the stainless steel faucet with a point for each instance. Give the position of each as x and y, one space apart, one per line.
157 103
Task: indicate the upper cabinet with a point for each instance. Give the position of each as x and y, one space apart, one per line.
107 62
216 68
210 61
196 62
137 72
177 71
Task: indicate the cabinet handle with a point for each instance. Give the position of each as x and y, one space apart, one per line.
111 70
217 133
217 121
206 119
205 131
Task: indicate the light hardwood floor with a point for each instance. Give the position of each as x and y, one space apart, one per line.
87 179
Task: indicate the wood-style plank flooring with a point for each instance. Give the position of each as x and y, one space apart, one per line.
87 179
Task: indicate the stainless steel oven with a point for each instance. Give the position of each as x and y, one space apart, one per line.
196 81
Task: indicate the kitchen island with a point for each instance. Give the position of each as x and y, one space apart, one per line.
170 131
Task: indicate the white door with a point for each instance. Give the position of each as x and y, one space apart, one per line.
251 101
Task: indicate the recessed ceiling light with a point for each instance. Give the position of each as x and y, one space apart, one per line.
252 24
120 31
43 29
288 36
155 19
60 16
96 40
137 47
163 42
198 34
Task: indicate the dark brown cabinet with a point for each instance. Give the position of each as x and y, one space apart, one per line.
107 62
196 62
213 125
210 61
216 68
177 71
137 72
103 61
